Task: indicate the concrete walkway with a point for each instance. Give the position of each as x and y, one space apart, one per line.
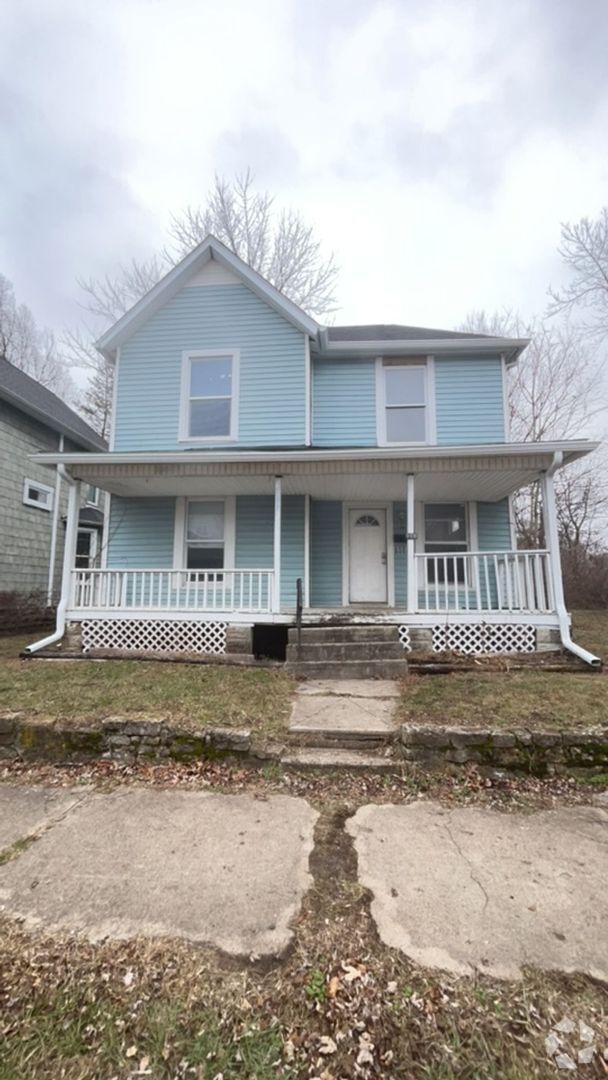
362 708
227 870
459 889
472 888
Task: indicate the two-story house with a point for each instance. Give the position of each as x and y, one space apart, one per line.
33 502
258 459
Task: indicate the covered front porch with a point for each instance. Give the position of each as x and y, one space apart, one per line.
418 538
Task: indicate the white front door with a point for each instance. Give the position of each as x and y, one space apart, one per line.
367 556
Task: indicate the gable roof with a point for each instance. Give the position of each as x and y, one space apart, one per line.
394 332
31 397
171 283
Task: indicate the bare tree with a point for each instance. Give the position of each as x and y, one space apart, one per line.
584 250
552 395
31 348
279 244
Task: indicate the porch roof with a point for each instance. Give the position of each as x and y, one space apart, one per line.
484 472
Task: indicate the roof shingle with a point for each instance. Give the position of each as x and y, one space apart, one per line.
35 400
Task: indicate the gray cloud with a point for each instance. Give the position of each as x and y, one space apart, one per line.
66 207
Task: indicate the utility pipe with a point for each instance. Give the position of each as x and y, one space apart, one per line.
69 553
552 540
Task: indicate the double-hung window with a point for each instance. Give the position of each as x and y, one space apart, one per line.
205 535
209 396
445 533
404 407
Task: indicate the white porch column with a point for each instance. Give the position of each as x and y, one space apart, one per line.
412 584
552 537
307 551
69 548
276 596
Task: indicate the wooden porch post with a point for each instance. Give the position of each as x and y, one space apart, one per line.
276 595
552 537
412 585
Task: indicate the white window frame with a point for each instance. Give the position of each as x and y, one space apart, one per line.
470 509
44 489
95 501
181 519
93 546
430 436
185 397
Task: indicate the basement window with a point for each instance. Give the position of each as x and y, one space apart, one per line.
38 495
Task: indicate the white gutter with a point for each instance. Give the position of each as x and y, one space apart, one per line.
67 568
552 541
273 457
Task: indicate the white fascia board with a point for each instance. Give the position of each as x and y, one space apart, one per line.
571 449
169 285
511 347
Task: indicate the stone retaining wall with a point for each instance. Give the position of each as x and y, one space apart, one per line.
119 739
533 752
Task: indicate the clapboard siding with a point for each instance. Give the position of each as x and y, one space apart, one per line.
272 369
326 553
469 401
141 533
254 548
493 526
344 402
400 553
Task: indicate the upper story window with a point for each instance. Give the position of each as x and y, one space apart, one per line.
209 399
92 495
403 403
36 494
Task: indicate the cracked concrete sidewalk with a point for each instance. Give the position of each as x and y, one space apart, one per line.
460 889
226 870
476 889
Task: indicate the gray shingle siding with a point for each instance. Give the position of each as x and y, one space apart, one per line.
25 531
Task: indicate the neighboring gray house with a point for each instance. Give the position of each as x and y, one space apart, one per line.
33 501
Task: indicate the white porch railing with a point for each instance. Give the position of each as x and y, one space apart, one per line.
173 590
510 581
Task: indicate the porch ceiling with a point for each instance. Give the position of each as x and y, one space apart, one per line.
484 473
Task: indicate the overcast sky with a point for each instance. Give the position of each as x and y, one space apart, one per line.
436 146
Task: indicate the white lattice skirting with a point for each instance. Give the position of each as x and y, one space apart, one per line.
404 638
474 639
150 635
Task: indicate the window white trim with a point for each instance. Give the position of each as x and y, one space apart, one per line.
429 403
390 548
93 535
505 399
472 539
181 517
44 489
188 356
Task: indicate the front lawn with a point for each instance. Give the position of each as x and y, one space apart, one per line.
188 695
537 700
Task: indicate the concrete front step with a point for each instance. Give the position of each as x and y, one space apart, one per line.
369 632
334 758
349 650
348 669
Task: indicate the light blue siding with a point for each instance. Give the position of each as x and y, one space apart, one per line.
469 401
493 526
255 539
344 402
141 533
325 553
272 369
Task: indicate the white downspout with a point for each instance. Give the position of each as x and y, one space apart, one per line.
552 540
69 553
54 526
